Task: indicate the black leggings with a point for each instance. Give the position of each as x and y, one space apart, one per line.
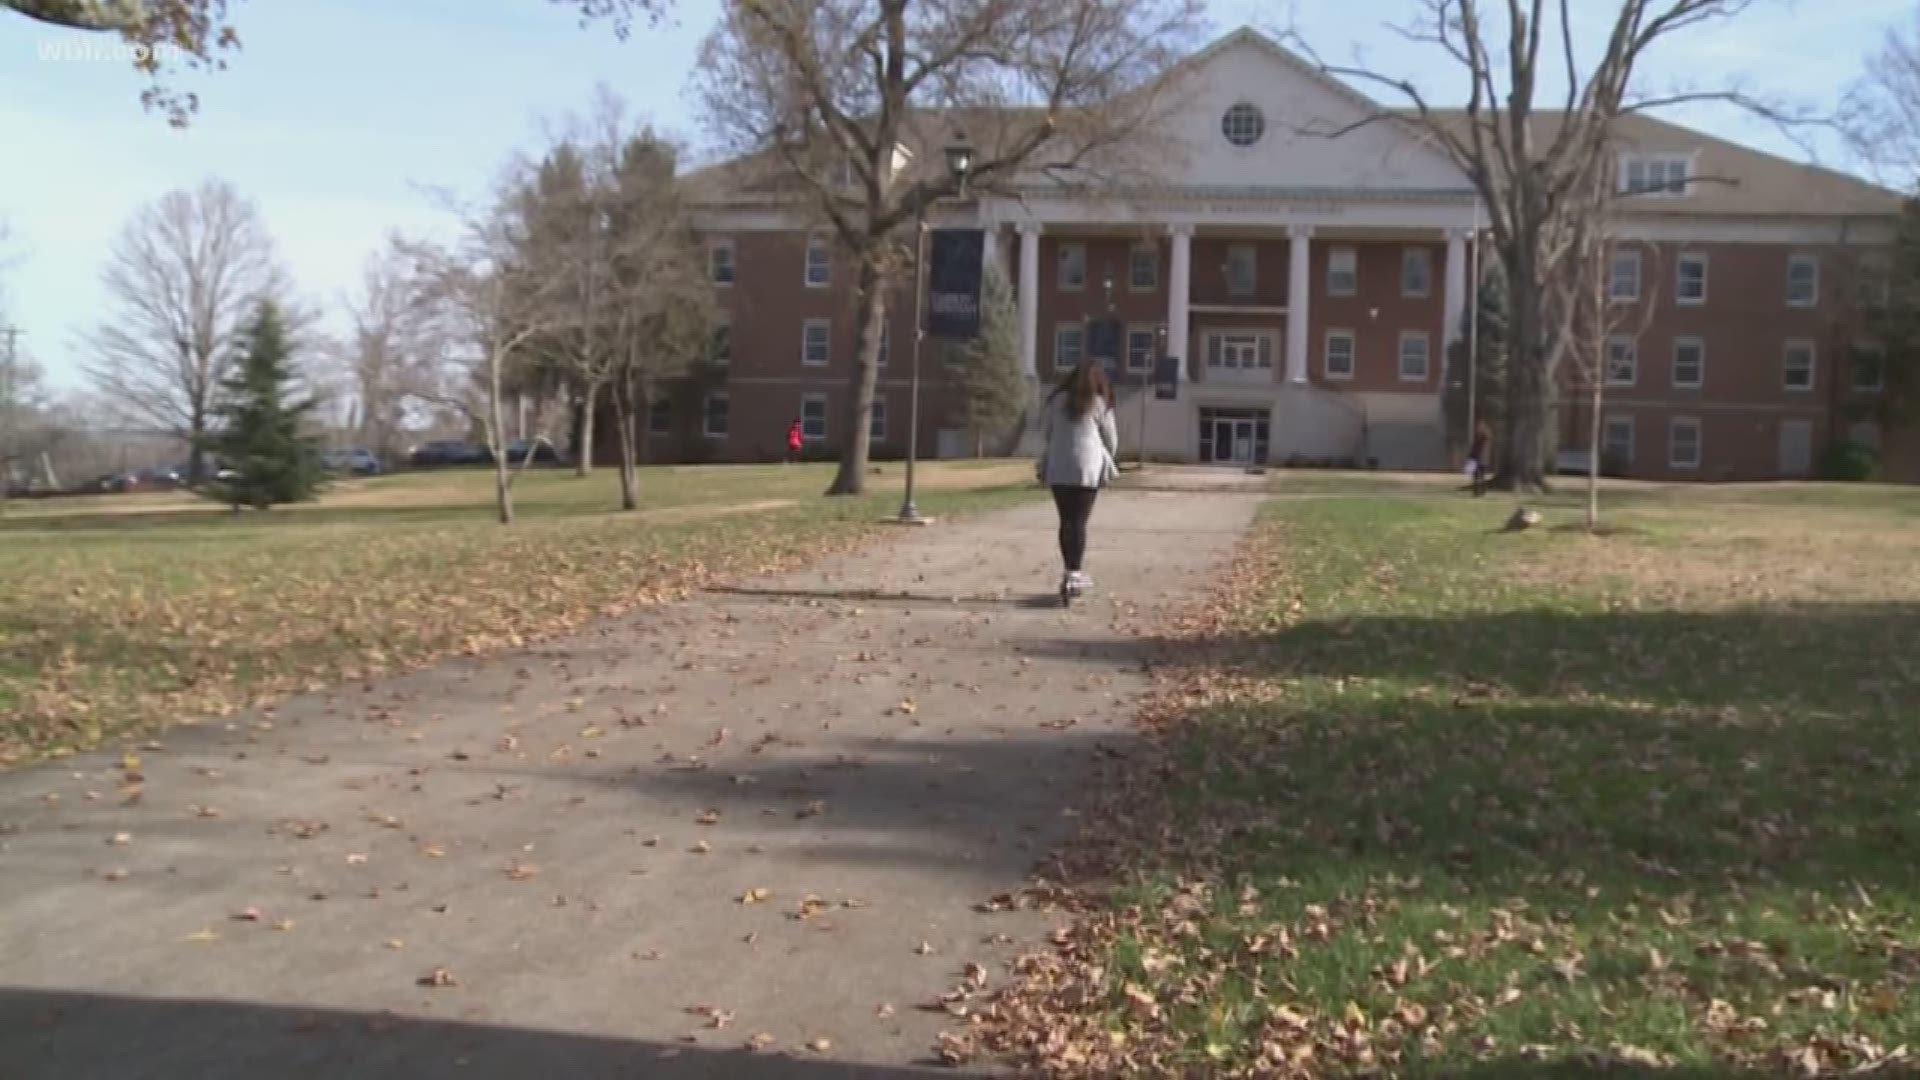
1076 506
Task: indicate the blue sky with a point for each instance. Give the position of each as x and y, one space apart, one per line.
336 115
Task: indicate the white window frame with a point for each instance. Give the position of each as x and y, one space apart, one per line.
807 327
1151 262
1878 385
722 332
1648 164
1631 351
1421 257
1151 331
1252 252
657 409
1680 278
1343 282
814 398
1607 427
1674 426
1787 351
715 248
1062 262
1673 372
1353 354
1239 350
1079 332
877 421
1797 260
1626 255
706 414
1426 355
819 256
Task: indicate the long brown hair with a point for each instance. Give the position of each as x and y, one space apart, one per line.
1083 386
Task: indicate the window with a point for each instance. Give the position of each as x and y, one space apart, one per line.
877 421
720 262
1616 442
1339 359
815 336
1343 271
1069 345
1690 280
660 416
1798 370
1243 262
1869 369
1864 433
1416 272
1143 268
819 272
1683 443
1623 361
1871 288
1142 344
845 174
1240 351
1649 175
1073 267
1689 363
720 346
1803 280
813 417
886 342
1623 280
718 414
1243 124
1413 356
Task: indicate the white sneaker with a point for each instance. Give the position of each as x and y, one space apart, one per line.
1077 579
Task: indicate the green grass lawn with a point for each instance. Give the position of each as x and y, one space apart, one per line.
118 615
1442 801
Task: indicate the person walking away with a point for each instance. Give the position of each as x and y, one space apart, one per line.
1080 441
1477 457
796 437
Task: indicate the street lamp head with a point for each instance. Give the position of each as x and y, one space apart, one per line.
959 158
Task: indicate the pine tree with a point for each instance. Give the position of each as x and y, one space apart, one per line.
259 436
993 390
1489 367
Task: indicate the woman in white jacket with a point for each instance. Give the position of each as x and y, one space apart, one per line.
1078 459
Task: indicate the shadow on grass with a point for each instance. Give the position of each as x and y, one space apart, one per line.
68 1036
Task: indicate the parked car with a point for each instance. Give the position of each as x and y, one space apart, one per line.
543 450
443 452
357 461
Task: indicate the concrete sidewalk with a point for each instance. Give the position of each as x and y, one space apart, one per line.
764 814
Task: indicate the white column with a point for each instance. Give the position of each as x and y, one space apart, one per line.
1179 296
1029 298
1456 291
1299 280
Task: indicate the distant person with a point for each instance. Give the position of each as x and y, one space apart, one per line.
796 438
1479 458
1078 460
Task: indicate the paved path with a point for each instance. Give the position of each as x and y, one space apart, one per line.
568 834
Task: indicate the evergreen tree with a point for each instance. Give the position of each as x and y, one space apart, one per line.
1489 368
1896 324
994 392
259 436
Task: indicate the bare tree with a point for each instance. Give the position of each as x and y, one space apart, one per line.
1538 168
481 309
181 279
381 355
851 100
666 311
1881 113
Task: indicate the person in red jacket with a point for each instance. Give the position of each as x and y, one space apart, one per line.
795 437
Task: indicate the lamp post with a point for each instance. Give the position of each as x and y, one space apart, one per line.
959 164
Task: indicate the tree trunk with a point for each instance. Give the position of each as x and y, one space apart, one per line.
196 448
496 427
852 477
1593 443
623 419
1522 447
583 453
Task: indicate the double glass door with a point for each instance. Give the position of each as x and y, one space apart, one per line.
1233 437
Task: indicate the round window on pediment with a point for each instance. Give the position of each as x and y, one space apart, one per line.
1243 124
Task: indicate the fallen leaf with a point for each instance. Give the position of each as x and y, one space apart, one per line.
121 839
820 1045
755 896
520 872
700 848
201 935
923 949
710 817
438 977
760 1041
396 943
283 924
251 914
356 859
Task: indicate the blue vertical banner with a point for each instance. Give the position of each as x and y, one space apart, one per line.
953 283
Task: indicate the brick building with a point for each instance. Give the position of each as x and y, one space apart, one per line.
1312 286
